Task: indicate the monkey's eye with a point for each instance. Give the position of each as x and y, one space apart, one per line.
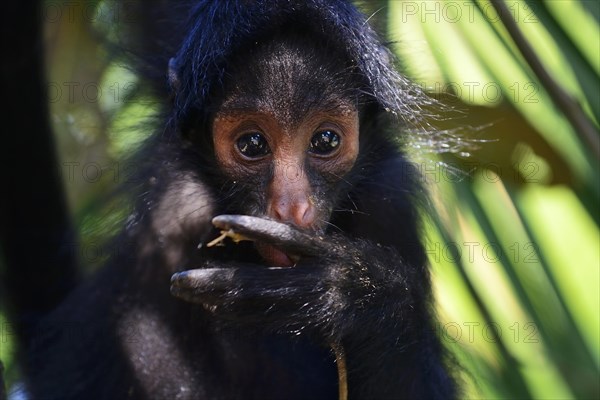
324 142
253 145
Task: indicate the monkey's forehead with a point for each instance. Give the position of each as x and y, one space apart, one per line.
289 115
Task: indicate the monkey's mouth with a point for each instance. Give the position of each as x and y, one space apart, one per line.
275 257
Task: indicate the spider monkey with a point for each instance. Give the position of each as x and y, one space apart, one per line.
282 130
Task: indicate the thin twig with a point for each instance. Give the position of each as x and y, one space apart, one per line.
340 359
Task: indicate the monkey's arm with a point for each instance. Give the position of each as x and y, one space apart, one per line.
351 292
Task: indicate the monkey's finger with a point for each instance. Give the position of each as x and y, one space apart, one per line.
281 235
247 290
199 285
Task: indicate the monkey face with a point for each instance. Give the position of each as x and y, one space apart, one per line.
290 171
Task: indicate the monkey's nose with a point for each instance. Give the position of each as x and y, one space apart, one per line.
297 210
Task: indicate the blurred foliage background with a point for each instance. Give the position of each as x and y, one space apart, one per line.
515 244
515 248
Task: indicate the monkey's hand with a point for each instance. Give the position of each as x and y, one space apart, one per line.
336 283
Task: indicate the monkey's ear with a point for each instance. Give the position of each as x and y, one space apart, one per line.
174 81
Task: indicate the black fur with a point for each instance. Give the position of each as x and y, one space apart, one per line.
260 333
